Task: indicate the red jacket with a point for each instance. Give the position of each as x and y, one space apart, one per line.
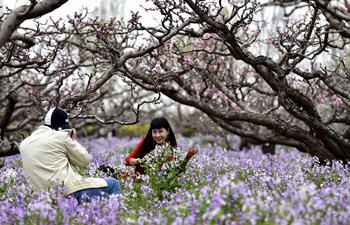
136 154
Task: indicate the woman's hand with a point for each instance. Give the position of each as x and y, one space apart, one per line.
136 161
191 151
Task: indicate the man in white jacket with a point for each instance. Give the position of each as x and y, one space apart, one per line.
51 154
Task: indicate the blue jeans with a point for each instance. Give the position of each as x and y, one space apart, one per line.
113 188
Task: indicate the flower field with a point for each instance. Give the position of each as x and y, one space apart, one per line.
218 187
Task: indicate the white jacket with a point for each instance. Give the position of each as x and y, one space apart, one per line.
49 156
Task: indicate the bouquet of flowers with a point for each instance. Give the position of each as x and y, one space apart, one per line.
162 166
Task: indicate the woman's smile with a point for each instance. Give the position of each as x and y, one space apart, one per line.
160 135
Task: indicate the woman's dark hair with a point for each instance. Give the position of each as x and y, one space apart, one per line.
149 144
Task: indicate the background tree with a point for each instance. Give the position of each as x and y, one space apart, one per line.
64 63
184 119
203 54
68 63
298 96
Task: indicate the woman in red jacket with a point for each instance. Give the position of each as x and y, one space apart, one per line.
159 133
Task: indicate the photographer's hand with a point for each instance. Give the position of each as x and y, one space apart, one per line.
73 134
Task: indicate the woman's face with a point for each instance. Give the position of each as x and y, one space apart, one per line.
160 135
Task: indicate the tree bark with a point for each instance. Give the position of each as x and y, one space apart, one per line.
24 12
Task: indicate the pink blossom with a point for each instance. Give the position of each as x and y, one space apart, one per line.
157 68
206 36
188 58
269 38
337 101
142 66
